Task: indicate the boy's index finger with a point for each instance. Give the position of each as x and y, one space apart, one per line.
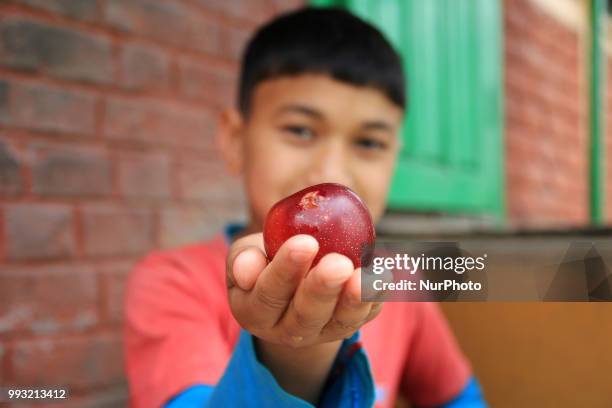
276 285
254 241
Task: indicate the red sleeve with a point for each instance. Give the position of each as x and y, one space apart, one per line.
176 334
436 370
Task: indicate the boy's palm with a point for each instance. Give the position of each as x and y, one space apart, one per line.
287 302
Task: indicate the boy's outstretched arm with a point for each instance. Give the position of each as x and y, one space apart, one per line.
247 383
298 315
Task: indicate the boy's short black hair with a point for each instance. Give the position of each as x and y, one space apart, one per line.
321 40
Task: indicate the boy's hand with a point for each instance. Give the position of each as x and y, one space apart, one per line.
285 302
287 305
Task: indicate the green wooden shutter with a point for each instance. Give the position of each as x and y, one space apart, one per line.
452 155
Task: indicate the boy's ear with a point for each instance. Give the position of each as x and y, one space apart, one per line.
230 141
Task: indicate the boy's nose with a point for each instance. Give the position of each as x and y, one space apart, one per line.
331 165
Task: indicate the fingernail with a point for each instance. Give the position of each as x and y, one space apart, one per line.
337 281
297 339
246 267
303 249
238 267
300 256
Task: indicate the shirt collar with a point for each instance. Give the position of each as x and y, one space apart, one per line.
230 231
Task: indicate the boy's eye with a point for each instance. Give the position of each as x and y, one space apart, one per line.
300 132
371 144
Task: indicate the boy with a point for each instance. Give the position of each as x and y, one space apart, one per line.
214 324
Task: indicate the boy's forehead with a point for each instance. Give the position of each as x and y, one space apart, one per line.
323 93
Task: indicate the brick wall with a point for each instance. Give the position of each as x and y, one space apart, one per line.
107 119
546 117
608 135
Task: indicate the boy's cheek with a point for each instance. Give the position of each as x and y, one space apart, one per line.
377 209
376 184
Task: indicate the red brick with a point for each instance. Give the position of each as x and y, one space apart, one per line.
114 285
3 361
33 45
11 180
78 363
233 41
186 127
40 107
131 120
184 225
85 10
67 170
283 6
516 20
534 56
253 10
48 299
567 89
112 230
514 109
514 55
203 34
35 231
206 179
144 68
523 114
144 175
172 22
4 102
158 124
206 82
115 302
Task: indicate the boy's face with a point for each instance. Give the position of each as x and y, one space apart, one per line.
312 129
